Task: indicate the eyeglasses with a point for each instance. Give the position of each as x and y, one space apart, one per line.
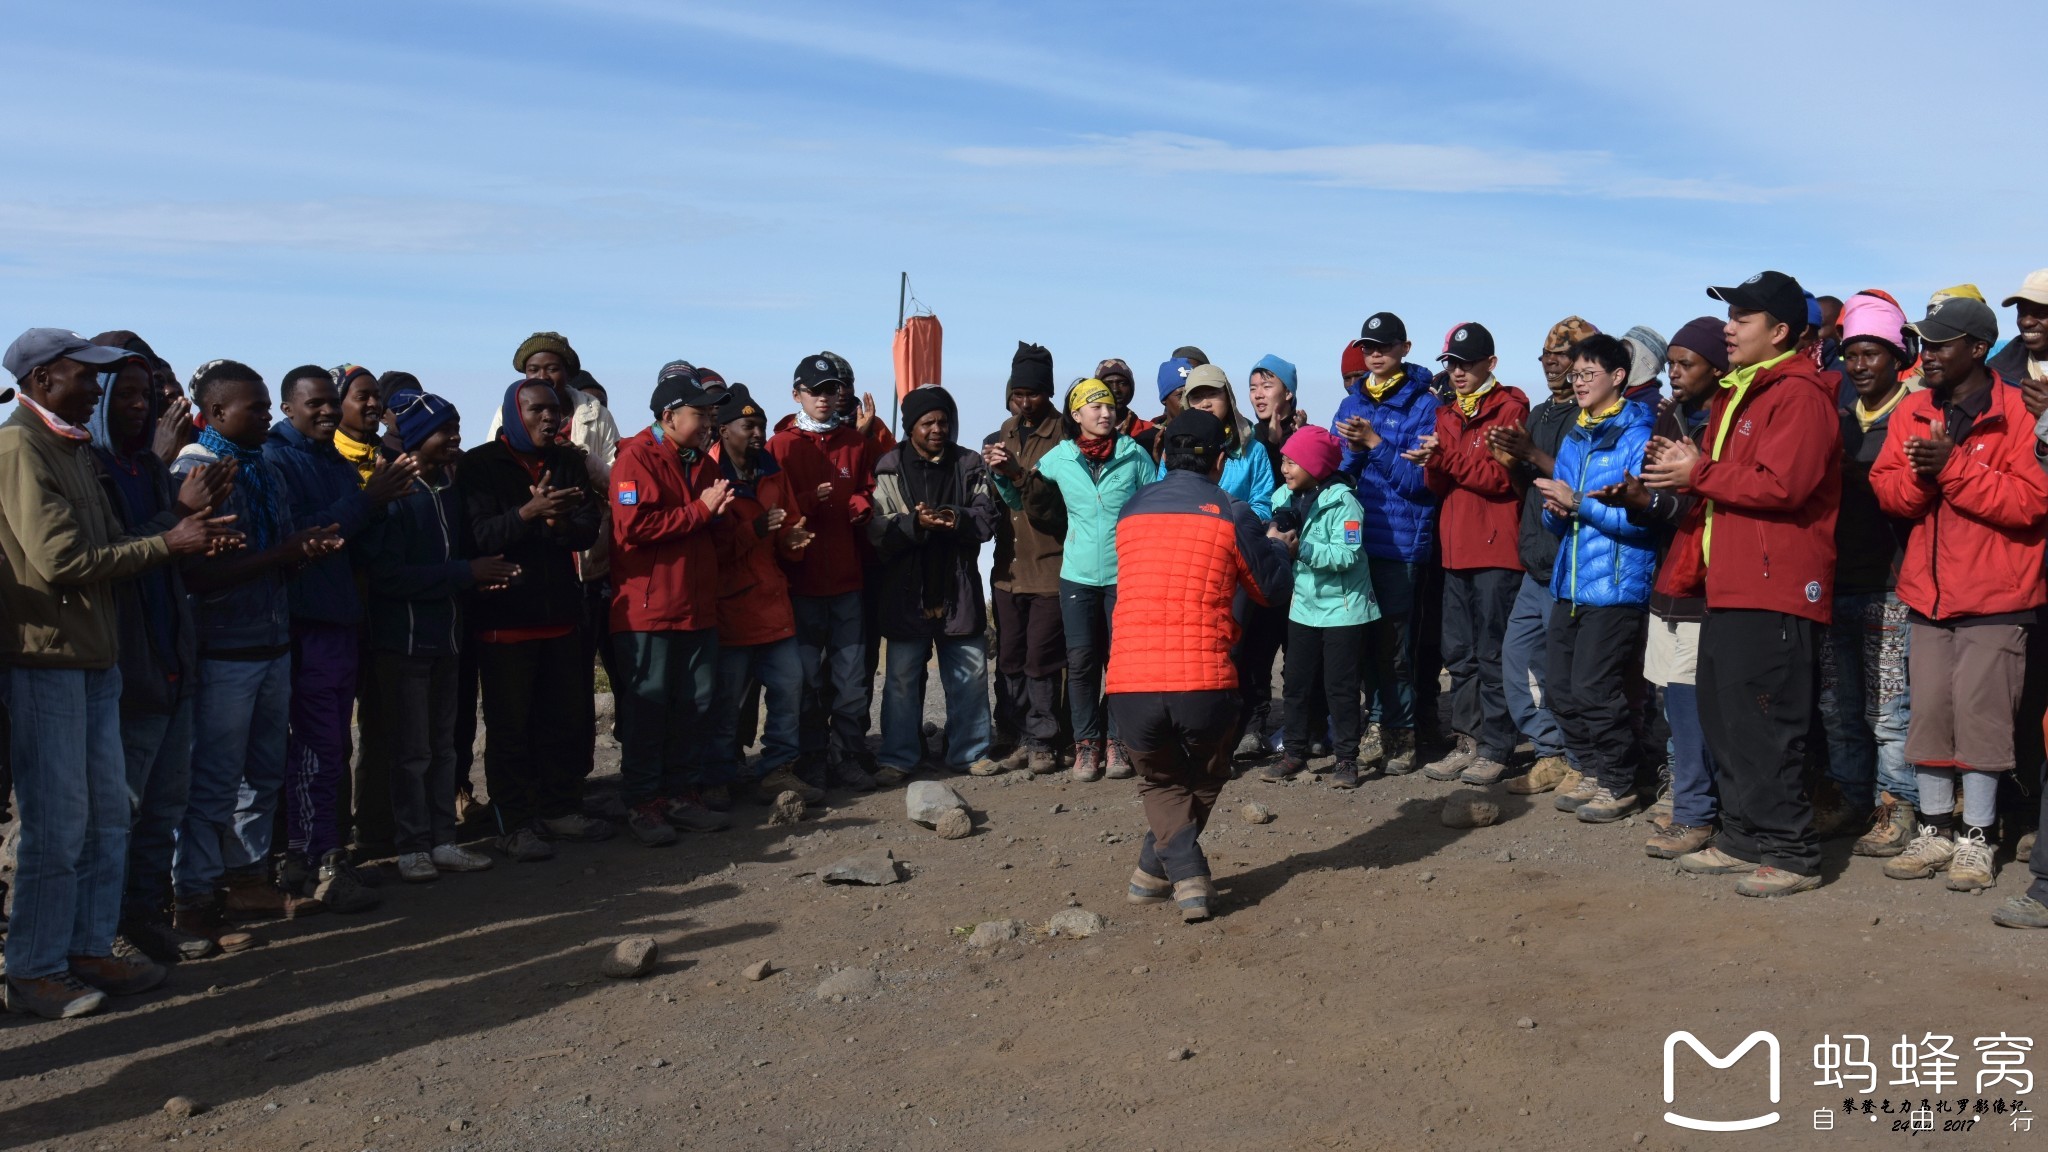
1589 376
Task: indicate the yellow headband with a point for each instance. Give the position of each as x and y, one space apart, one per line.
1089 391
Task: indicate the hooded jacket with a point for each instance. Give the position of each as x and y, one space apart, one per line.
1606 559
1975 547
832 564
1479 524
414 554
158 656
494 484
753 594
1400 509
1332 582
589 425
1028 559
664 557
322 488
899 543
1537 545
1089 498
1868 543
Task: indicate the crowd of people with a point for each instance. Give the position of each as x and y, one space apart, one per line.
1772 581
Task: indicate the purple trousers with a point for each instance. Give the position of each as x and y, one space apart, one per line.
324 660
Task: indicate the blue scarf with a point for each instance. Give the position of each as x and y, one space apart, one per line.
511 425
265 521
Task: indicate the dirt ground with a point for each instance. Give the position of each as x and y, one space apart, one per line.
1375 980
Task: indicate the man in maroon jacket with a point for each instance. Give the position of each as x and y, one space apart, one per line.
1761 541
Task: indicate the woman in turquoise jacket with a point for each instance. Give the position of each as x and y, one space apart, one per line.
1319 516
1076 493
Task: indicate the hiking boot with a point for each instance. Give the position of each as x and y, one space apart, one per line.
1604 807
1041 761
525 846
296 876
1483 770
1891 828
1119 767
1581 790
1398 745
785 779
1768 881
1344 775
2021 912
417 868
1929 853
1148 889
989 767
1369 750
254 897
648 822
456 858
846 773
160 940
59 997
578 828
1252 745
1452 764
338 885
1548 772
119 975
205 921
717 797
1194 895
1833 815
1711 861
1282 770
685 814
1661 809
886 776
1087 761
1675 840
2024 852
1972 869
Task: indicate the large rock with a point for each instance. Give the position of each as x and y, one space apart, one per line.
1074 922
990 933
632 958
873 868
925 801
849 982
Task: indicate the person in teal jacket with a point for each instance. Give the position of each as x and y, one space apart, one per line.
1319 517
1247 470
1076 493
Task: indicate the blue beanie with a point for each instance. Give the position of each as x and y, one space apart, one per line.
1277 367
1172 375
417 415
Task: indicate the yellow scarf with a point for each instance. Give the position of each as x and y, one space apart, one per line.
1589 420
1469 404
363 456
1379 391
1740 380
1866 417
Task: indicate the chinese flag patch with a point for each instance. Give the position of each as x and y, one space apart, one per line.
629 493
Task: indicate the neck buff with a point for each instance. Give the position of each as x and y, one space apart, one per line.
1379 391
253 479
1588 419
1469 404
820 427
1865 417
56 423
361 454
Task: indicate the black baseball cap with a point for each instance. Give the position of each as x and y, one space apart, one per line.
1468 343
1773 293
676 387
815 373
1955 317
736 404
1195 431
1383 328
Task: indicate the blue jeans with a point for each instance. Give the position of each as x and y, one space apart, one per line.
1695 802
159 754
1523 661
239 721
774 666
1864 700
1085 613
832 654
72 804
963 671
1390 644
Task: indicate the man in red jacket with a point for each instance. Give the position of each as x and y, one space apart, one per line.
1479 527
830 469
666 494
1761 542
1958 463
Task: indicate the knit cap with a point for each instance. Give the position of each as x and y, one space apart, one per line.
1316 450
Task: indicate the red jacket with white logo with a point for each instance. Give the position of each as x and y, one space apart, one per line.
1975 547
831 566
664 561
753 594
1480 523
1770 499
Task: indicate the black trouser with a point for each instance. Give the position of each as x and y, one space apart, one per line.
1264 630
1758 681
1323 661
1592 654
418 696
467 693
1031 653
1476 605
532 736
597 629
364 797
1426 628
1180 744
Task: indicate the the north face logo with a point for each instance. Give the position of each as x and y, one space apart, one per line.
1212 509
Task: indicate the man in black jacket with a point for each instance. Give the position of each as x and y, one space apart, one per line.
528 498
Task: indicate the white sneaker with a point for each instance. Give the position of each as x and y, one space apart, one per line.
1972 869
417 868
456 858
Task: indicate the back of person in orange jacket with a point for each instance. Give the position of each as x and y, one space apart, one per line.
1958 462
1183 549
666 495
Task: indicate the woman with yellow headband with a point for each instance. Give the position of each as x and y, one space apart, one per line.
1077 491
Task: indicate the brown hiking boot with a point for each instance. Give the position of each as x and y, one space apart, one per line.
1398 744
205 921
1570 796
1041 761
59 997
1549 772
1891 828
119 975
256 898
1454 762
1677 840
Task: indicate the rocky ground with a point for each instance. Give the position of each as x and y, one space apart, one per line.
1375 980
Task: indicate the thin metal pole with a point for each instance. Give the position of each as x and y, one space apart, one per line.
902 295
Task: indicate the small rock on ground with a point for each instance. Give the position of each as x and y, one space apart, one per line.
1256 813
631 958
757 971
955 825
849 982
1075 922
183 1106
1468 812
1525 1022
1176 1054
990 933
787 809
874 868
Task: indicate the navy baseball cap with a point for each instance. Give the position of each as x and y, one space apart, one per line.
38 346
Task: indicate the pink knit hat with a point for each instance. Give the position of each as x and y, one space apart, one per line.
1315 449
1866 317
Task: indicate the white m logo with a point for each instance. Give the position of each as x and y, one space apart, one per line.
1769 1041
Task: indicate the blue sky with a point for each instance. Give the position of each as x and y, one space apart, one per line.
419 185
